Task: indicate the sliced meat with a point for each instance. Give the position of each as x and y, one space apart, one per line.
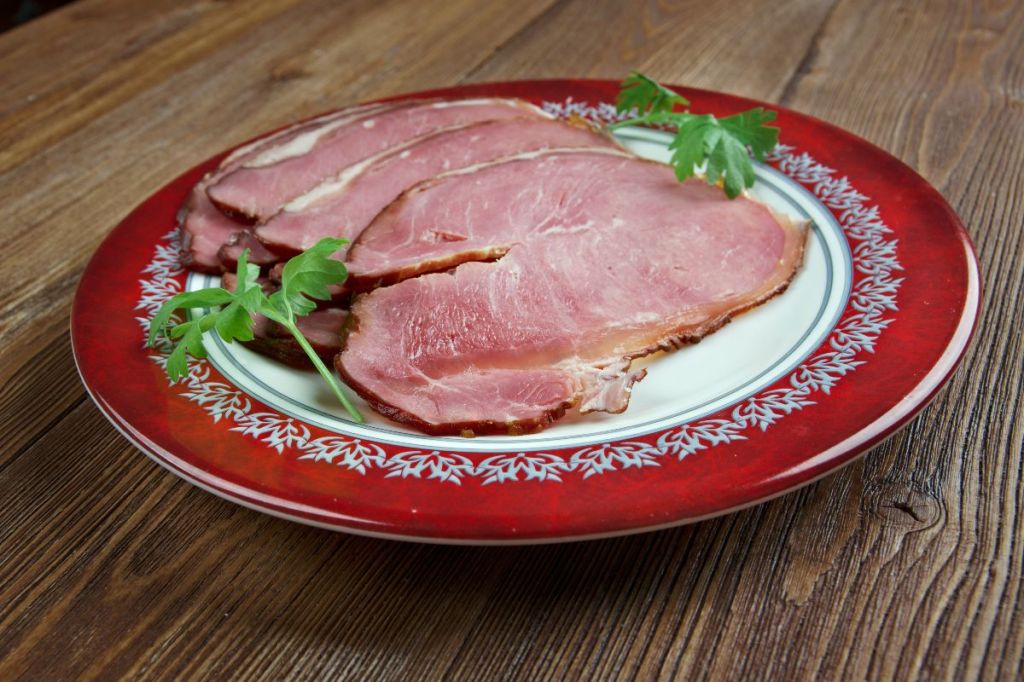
345 204
449 219
266 182
322 328
238 242
607 258
205 229
289 138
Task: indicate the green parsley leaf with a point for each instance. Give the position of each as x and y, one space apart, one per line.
305 277
749 128
308 276
203 298
723 144
730 162
190 335
690 146
234 321
646 95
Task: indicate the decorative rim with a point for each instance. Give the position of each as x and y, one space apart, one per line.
869 310
912 352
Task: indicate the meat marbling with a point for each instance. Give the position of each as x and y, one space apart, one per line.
344 205
261 185
603 258
203 227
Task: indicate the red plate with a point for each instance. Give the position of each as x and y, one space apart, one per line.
873 325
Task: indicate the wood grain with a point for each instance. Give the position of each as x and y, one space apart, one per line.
907 564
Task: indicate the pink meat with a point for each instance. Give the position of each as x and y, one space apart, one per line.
205 229
606 258
266 182
344 205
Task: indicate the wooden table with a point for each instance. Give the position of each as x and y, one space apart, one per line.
906 564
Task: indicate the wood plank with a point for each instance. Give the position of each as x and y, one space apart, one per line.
944 570
39 393
843 598
153 589
925 585
77 37
397 632
906 564
746 48
171 37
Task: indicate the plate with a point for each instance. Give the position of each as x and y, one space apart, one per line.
869 330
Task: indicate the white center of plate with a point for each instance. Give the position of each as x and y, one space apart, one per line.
755 350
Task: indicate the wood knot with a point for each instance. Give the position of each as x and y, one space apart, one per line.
902 505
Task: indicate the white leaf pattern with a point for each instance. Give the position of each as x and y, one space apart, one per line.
350 453
532 466
447 468
598 459
276 431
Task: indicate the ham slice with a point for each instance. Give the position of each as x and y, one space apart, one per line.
345 204
205 229
602 258
262 184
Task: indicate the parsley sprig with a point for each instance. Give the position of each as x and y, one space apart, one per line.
305 277
725 144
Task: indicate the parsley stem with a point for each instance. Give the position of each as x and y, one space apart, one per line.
673 119
324 372
638 121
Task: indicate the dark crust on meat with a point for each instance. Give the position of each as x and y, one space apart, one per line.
278 343
232 212
678 339
285 251
281 346
229 263
466 429
361 284
286 351
186 240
